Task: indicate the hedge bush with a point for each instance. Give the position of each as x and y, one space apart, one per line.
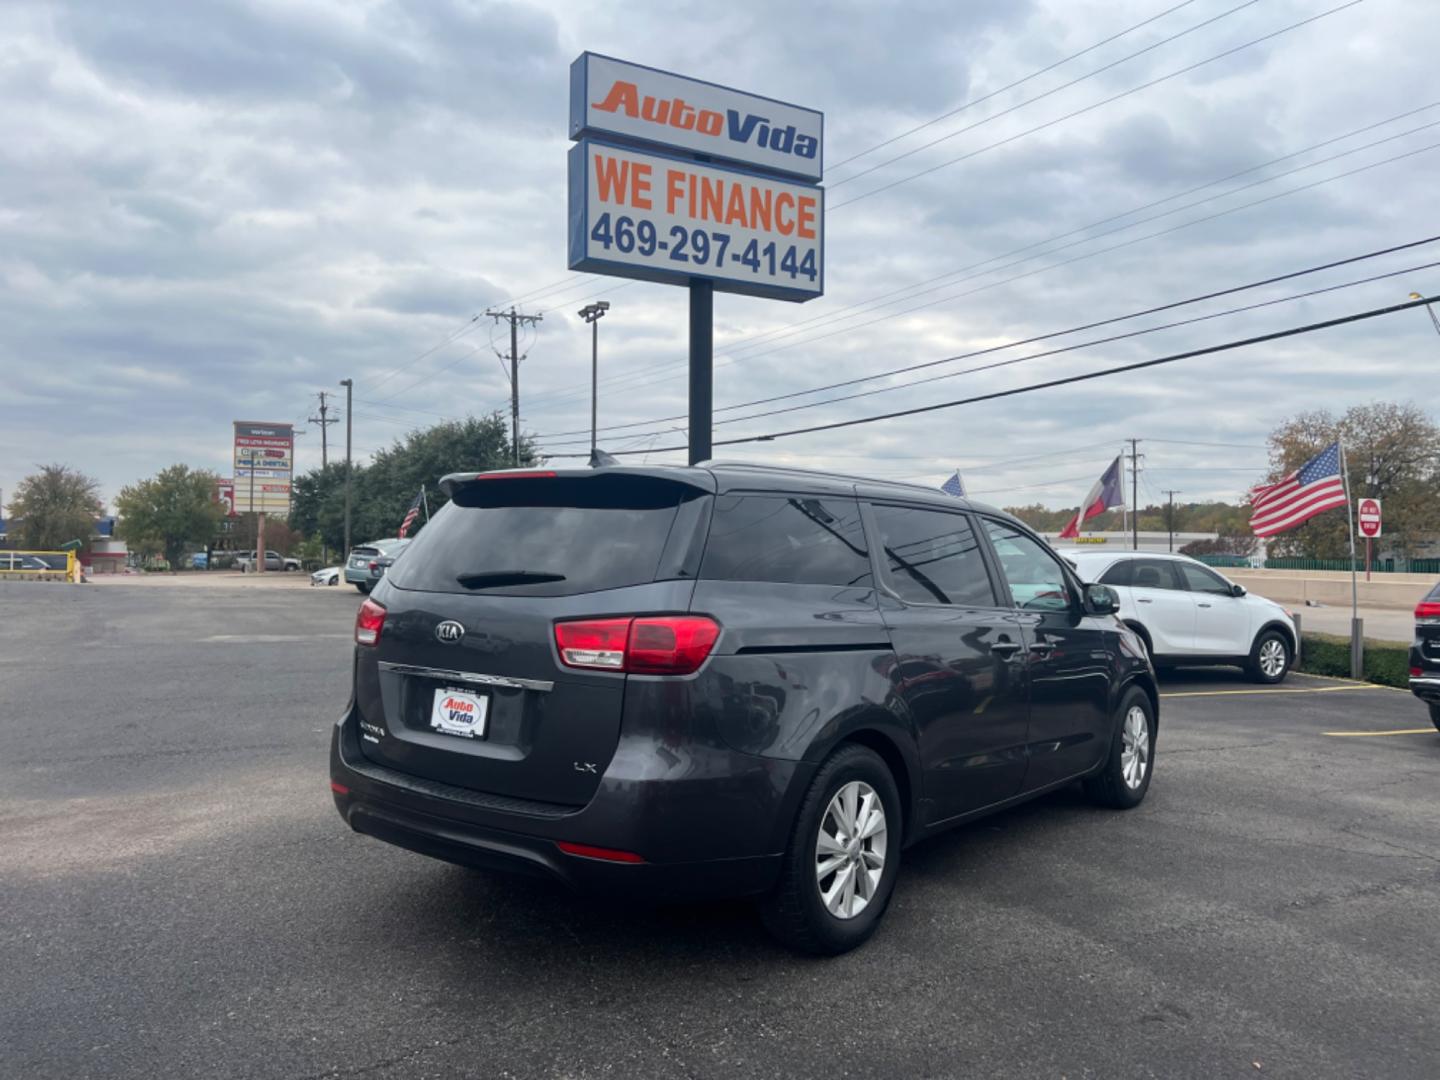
1329 654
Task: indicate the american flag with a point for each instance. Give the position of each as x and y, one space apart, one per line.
1313 488
412 514
954 486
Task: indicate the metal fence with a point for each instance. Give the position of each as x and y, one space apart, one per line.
1378 566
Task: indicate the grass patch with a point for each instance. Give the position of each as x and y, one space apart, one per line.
1386 662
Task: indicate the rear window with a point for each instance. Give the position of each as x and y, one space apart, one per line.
545 537
796 540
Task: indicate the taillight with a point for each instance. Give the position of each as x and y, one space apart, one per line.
369 621
1416 672
1427 610
649 645
594 643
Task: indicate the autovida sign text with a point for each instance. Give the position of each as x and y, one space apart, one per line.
654 194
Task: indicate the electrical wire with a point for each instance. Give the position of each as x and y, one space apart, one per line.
1227 346
977 269
1096 105
1009 86
1066 332
1048 93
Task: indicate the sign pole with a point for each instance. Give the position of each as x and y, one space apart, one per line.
702 370
1357 641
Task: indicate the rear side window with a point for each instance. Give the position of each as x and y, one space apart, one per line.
797 540
1122 573
933 557
544 537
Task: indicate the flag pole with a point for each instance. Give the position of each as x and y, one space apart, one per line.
425 503
1357 646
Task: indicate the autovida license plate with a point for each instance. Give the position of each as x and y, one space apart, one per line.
459 712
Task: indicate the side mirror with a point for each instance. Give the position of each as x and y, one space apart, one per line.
1237 590
1101 600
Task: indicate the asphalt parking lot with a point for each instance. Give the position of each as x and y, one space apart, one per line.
181 899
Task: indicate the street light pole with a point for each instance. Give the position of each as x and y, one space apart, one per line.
1428 311
592 314
349 385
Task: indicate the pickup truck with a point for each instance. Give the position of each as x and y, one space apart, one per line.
245 561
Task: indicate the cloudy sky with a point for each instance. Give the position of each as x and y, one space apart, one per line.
213 211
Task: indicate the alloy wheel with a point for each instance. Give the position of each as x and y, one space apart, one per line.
850 850
1272 658
1135 747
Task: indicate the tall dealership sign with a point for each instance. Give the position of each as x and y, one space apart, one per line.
684 182
264 463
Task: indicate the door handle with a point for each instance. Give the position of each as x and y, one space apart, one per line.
1202 605
1005 648
1143 600
1042 648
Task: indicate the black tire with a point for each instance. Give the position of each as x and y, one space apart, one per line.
1435 716
795 911
1267 639
1108 787
364 587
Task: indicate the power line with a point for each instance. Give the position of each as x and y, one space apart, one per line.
1047 93
976 269
1010 86
1071 330
1096 105
1068 380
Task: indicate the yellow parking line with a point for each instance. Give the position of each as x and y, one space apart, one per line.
1402 731
1292 690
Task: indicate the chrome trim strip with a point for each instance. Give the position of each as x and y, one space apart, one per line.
1425 682
472 677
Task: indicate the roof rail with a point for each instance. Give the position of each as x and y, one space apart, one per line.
712 464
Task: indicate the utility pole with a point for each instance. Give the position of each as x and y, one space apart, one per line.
1170 514
349 385
515 320
1134 494
324 423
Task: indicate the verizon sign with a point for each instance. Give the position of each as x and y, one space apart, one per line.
632 102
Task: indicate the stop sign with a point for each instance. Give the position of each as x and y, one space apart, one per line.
1368 516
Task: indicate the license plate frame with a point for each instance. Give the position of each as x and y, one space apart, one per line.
460 712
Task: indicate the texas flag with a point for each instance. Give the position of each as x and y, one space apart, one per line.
1105 495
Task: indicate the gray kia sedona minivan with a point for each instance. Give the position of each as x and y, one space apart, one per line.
728 679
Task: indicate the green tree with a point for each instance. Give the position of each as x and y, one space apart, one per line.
382 491
173 509
1392 453
54 506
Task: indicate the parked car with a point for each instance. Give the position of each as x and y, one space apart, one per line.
328 576
245 561
728 680
199 560
364 567
1187 613
1425 654
16 562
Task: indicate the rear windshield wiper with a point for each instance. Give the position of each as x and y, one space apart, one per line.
495 578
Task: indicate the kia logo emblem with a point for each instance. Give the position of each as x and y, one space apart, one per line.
449 631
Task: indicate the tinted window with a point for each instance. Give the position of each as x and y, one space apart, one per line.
1122 573
1154 574
1198 579
1036 580
798 540
544 537
933 557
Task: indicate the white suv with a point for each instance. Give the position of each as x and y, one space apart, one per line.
1186 613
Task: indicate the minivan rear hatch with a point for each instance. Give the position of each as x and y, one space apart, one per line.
465 685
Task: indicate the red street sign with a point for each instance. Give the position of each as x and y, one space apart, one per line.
1368 517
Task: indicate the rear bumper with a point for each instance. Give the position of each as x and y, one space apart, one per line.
671 823
1426 688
